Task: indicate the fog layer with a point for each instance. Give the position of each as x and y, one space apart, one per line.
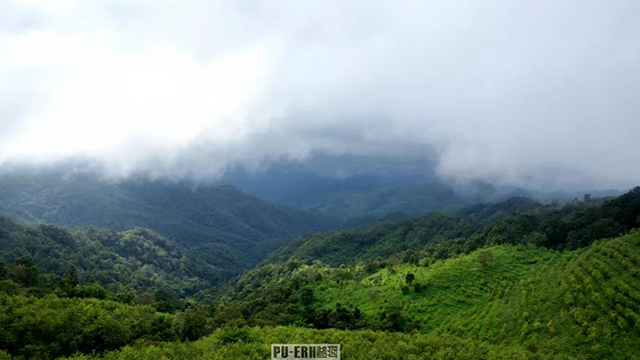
538 94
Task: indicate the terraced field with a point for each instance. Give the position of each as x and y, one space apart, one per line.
586 301
581 302
439 290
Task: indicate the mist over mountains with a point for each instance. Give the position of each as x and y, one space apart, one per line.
70 198
418 179
348 186
538 96
189 214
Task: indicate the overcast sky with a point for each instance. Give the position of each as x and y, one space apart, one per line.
544 94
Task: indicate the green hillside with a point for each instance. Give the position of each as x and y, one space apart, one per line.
438 290
46 316
137 261
582 303
188 214
587 301
501 302
497 211
501 282
383 240
550 282
561 227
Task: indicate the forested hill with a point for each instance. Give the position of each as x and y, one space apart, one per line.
137 261
557 281
554 282
187 213
496 211
538 302
562 227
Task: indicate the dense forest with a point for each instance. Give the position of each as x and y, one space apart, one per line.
506 280
137 260
514 221
187 213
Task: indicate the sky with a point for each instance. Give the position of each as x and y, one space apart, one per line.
542 94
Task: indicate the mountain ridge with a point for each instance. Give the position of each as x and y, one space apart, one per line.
191 215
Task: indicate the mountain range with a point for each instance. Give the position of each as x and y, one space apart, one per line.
157 268
189 214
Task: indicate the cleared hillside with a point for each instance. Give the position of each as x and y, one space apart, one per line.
587 302
583 303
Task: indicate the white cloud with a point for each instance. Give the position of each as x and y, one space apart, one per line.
540 93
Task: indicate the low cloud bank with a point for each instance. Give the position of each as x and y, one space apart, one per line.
542 95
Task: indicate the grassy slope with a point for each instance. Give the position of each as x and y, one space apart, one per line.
586 301
581 302
451 286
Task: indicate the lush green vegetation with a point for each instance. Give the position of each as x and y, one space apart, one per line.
577 303
137 261
501 302
562 227
497 211
188 214
379 241
498 281
254 343
584 302
53 326
45 316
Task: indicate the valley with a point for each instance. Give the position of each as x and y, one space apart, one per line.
495 280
